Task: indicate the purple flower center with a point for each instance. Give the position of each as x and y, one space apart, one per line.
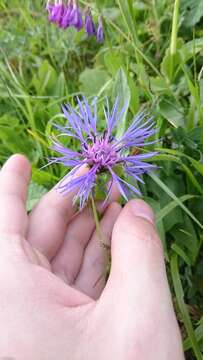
100 152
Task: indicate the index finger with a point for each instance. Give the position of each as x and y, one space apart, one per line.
14 179
49 220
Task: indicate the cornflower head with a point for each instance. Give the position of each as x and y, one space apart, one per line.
102 152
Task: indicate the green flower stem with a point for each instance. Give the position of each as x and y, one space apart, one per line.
101 236
102 241
174 33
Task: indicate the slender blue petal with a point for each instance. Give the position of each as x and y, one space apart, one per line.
64 131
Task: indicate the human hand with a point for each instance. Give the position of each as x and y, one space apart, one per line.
50 307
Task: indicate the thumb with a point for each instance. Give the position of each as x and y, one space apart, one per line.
138 270
137 291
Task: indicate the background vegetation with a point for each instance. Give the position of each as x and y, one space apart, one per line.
152 56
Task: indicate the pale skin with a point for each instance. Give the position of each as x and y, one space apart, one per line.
52 305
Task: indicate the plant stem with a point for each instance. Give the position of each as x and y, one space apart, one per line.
98 228
174 33
157 27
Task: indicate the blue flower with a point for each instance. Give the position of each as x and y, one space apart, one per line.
100 31
55 12
65 15
75 17
102 152
89 24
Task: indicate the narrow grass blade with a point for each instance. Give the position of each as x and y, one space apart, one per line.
172 205
182 306
174 197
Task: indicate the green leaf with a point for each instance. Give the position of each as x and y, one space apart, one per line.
42 177
172 112
127 13
45 80
198 333
172 205
197 165
170 62
60 86
35 192
185 237
187 170
196 134
92 81
113 60
159 85
182 306
135 94
192 10
174 197
179 251
14 138
201 90
121 91
190 49
192 178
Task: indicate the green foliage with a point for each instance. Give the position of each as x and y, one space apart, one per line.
42 66
192 11
122 91
35 192
92 81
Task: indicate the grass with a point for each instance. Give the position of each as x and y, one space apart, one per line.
152 56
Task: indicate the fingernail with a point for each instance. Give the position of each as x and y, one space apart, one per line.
142 209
